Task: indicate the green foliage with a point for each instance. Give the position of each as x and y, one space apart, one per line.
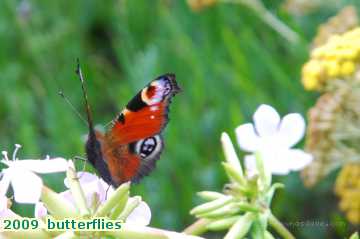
226 60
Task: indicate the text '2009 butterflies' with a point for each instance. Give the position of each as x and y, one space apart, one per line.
129 149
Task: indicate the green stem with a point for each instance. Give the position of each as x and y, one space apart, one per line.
269 19
279 227
198 227
265 175
76 191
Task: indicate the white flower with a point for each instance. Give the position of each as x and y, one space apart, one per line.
21 175
141 215
5 212
273 138
93 185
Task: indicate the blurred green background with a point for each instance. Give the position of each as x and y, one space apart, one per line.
226 59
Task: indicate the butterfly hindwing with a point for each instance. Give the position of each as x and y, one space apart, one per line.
149 150
131 162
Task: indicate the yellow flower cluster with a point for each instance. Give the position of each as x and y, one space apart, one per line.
338 58
344 21
347 187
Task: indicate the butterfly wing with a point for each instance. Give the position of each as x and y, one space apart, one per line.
131 162
133 144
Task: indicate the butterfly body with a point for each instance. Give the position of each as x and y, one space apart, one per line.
129 149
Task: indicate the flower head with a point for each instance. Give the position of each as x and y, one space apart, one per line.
347 187
335 60
244 206
345 20
21 175
333 132
87 197
273 137
96 192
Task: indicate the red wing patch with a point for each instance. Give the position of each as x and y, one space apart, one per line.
138 125
146 114
122 164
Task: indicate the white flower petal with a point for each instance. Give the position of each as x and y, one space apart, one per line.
3 203
275 160
8 214
298 159
292 129
7 162
266 120
68 196
84 177
41 165
91 189
247 138
93 185
277 166
140 216
40 210
250 165
4 183
101 191
108 188
105 190
27 186
90 184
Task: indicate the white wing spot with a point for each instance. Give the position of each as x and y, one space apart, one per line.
154 108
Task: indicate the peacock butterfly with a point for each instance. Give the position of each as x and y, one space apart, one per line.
129 149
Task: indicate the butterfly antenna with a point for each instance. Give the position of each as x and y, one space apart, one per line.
61 93
87 106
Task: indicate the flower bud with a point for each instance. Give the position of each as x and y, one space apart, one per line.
209 196
115 198
241 227
222 224
210 206
229 209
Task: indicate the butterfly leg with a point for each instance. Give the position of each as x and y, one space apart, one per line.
107 190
